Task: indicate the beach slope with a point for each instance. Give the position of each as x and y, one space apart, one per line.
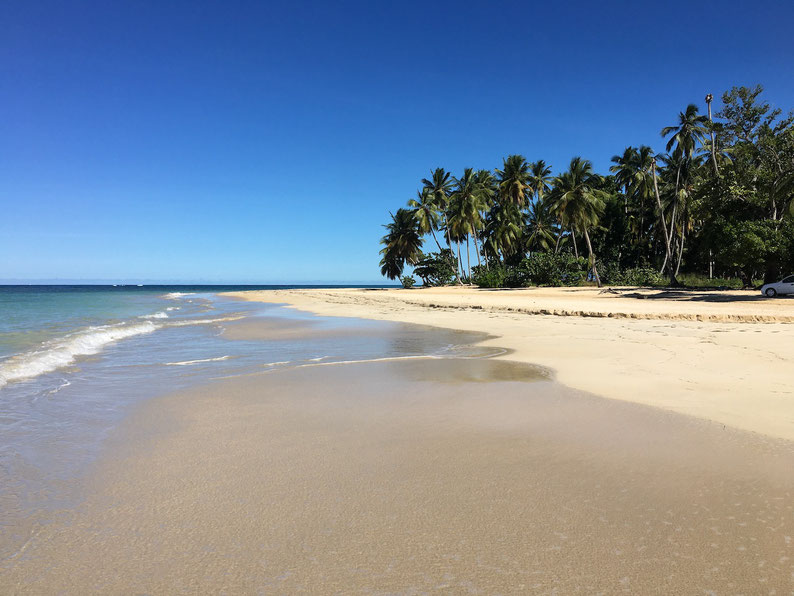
723 356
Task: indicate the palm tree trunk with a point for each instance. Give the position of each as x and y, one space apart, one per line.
433 232
575 248
449 244
559 236
664 224
468 257
592 258
460 260
477 248
681 251
713 147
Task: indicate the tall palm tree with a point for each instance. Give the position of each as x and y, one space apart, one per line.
632 172
668 259
713 147
684 138
402 243
513 180
486 189
624 170
687 134
502 233
439 186
580 203
471 195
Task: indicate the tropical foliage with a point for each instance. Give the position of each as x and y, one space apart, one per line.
716 203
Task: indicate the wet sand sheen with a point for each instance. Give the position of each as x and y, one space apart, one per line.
396 477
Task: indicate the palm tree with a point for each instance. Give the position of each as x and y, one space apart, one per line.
502 232
486 190
713 147
624 169
402 243
579 202
668 260
439 186
426 213
682 144
690 130
471 195
540 226
513 180
633 175
539 179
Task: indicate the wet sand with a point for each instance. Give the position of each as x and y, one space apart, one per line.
399 477
722 356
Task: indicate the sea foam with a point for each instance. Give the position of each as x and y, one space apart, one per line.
63 351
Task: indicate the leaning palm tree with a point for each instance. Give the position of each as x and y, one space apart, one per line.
668 259
513 180
580 203
402 243
426 213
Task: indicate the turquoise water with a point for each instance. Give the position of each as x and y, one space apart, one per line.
74 360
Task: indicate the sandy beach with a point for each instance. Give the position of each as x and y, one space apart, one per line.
492 466
722 356
419 476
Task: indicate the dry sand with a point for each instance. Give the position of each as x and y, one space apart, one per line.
398 478
723 356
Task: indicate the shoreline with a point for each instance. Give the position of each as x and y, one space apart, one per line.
401 478
409 474
726 356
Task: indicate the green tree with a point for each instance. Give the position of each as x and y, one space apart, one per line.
580 203
402 243
513 180
439 187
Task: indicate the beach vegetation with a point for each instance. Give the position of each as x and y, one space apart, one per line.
408 281
713 208
435 268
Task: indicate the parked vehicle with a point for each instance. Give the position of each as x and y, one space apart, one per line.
785 286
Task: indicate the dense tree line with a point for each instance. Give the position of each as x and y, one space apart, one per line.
716 203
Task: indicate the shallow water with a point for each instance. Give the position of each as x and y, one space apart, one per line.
374 477
72 363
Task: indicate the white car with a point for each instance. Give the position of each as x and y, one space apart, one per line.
785 286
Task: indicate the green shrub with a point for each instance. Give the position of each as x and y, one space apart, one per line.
548 269
435 268
642 276
493 277
693 280
543 269
407 281
611 275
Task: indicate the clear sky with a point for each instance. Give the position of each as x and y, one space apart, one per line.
266 142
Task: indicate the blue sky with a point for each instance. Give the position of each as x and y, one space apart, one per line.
266 142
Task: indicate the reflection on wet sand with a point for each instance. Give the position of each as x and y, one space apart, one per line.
405 477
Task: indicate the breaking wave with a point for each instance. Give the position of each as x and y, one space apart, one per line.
63 351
